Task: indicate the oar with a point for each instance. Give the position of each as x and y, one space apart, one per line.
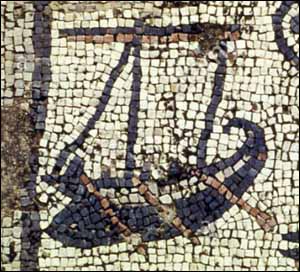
105 203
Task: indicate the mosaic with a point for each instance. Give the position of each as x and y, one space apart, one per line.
166 135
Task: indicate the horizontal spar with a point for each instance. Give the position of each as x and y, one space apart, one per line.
146 30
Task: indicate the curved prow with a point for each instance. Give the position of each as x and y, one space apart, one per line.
208 205
255 147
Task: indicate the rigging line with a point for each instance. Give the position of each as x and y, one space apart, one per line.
213 106
133 110
64 154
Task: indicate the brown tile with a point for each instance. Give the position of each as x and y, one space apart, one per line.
234 199
209 181
241 202
195 241
228 195
98 39
177 222
235 35
115 220
120 38
110 212
183 37
127 232
89 39
151 199
187 233
108 38
84 179
143 189
136 182
80 38
128 38
264 215
215 184
254 212
141 250
153 39
263 156
203 178
71 38
91 188
223 190
261 222
146 39
105 203
174 38
193 38
247 207
122 227
98 195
